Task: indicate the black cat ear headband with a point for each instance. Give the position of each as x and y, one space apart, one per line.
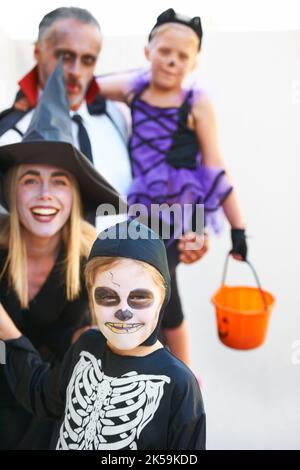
170 16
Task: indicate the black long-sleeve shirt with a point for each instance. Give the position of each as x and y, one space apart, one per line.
104 401
49 323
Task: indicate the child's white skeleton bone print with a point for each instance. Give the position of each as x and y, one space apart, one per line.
107 413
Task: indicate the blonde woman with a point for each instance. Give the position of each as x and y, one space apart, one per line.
46 185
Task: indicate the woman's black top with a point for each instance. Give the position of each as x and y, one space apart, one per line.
49 323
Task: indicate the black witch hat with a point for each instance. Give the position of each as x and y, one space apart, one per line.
48 140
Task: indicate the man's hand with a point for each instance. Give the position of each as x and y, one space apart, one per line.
8 329
192 247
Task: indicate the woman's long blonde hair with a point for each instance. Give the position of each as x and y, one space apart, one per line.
77 236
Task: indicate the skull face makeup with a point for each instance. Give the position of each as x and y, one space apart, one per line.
126 302
139 299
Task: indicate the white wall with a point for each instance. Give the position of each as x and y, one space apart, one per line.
251 397
8 69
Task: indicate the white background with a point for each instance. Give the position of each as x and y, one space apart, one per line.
250 66
20 19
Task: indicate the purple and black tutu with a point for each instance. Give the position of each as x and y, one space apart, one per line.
167 164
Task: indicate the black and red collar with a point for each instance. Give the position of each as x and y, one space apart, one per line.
29 87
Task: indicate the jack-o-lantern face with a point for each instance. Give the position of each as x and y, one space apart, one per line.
223 327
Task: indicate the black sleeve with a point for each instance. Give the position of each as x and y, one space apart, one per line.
36 386
74 316
187 429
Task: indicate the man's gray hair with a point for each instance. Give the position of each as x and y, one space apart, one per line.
63 13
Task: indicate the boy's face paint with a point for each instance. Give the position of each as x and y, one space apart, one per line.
126 302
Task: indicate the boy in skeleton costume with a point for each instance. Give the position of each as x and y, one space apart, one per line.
118 388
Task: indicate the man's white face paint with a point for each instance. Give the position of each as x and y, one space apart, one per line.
126 302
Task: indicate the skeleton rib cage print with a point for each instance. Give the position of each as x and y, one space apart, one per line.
107 413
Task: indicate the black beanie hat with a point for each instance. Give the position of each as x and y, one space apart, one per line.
131 239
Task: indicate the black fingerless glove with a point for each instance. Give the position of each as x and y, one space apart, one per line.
239 244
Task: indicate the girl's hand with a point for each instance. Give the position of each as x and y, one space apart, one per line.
8 329
239 244
192 247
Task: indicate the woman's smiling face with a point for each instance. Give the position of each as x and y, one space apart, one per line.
126 302
44 199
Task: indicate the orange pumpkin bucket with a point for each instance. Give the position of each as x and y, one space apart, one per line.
242 313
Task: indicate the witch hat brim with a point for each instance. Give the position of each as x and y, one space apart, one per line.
48 141
94 189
